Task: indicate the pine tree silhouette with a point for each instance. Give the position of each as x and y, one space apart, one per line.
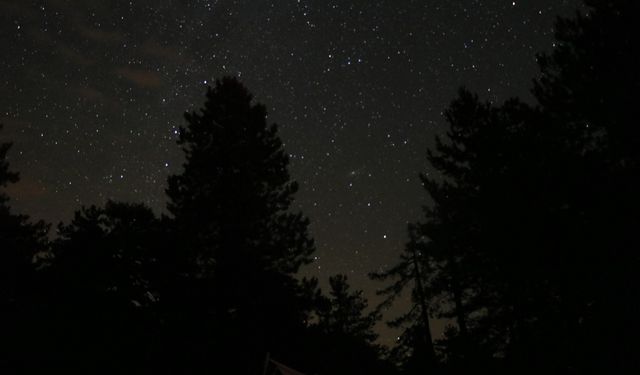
529 243
587 90
100 303
414 351
237 237
345 312
345 333
20 243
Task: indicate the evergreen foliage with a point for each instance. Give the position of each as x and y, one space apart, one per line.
528 244
345 333
21 243
235 232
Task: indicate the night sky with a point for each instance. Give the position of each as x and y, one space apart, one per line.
92 93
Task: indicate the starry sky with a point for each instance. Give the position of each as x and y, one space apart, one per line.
92 93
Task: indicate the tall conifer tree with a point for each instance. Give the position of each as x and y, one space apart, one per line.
237 236
20 243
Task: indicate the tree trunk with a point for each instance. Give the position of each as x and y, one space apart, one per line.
420 293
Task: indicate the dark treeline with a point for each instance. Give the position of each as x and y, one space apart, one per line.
529 247
210 288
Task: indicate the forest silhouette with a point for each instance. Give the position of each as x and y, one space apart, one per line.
529 247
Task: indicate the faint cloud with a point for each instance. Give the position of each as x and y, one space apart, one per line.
27 189
72 56
152 48
89 93
140 77
101 36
